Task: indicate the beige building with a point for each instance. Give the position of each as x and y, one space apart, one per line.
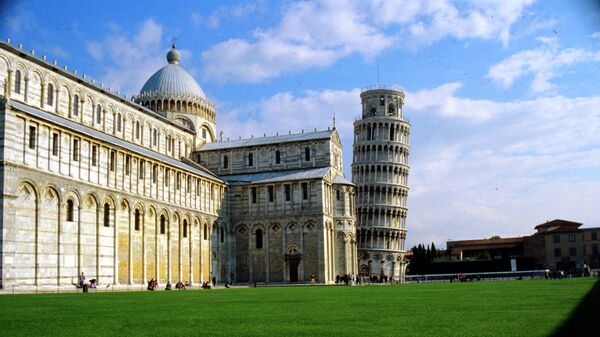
125 190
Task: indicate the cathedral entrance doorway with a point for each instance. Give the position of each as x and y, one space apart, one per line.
293 258
294 270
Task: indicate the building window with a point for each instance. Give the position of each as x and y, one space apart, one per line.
113 161
594 236
571 237
277 157
307 154
127 164
154 173
75 150
557 252
288 192
382 100
32 137
205 232
337 195
250 159
572 251
204 133
137 220
70 210
188 185
119 122
141 169
253 192
154 137
225 161
137 130
162 224
169 143
75 105
18 82
106 215
304 191
167 176
185 228
271 194
259 238
94 155
222 235
178 181
556 238
98 114
197 187
55 144
50 94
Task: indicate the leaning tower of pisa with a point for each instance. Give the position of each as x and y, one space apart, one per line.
380 172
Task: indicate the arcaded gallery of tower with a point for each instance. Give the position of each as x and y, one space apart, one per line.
126 190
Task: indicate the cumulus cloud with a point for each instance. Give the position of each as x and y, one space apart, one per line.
128 61
544 63
309 34
473 174
228 12
316 34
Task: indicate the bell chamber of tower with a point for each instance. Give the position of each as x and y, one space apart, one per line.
380 172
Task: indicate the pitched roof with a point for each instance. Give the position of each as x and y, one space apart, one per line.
295 137
558 222
93 133
277 176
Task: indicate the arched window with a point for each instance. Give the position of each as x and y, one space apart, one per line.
137 130
154 137
137 220
185 228
382 100
307 153
205 232
98 114
222 234
250 159
106 215
119 122
225 161
75 105
70 210
50 96
18 82
259 238
162 224
168 142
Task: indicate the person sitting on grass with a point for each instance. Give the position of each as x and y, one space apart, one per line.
151 284
187 284
169 286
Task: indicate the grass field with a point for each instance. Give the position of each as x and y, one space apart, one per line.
504 308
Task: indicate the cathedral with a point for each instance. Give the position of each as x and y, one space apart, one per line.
125 190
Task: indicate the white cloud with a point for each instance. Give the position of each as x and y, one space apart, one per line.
129 61
228 12
544 63
315 34
309 34
518 164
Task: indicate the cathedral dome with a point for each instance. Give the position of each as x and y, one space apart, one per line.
172 81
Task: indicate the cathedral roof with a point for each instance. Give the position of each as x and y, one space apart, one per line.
296 137
284 176
172 80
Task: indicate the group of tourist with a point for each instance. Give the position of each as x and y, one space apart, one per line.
351 279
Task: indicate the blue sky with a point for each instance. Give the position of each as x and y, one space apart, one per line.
503 96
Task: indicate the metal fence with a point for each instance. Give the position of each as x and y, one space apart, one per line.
488 276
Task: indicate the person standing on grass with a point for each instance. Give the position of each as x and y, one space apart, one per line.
214 281
81 280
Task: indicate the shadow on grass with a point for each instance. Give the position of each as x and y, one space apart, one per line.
584 319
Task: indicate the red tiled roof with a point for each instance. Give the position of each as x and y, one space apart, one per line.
558 222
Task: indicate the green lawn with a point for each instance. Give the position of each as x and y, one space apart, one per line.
504 308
